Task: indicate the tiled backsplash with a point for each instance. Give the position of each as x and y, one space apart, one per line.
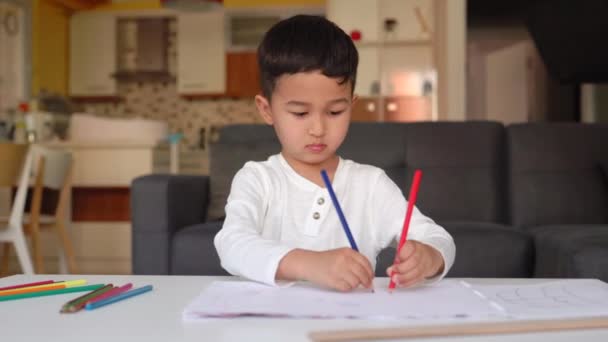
160 100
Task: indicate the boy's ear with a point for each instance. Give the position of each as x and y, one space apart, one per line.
264 109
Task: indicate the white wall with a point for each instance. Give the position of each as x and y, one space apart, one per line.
455 71
12 56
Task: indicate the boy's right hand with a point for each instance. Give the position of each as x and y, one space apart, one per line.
342 269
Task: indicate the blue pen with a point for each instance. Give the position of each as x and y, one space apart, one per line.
334 199
119 297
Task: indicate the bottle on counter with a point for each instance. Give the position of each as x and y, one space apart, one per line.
19 131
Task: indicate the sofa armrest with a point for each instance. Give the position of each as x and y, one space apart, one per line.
161 205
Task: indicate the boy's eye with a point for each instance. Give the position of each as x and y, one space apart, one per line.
299 113
336 112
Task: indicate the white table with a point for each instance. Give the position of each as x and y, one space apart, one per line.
156 316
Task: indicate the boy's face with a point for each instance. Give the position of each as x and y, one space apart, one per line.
310 113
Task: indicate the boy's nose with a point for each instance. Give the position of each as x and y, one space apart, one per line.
317 127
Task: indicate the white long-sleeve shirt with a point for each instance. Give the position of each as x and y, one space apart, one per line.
272 210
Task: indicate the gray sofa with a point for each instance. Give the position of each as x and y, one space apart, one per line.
520 201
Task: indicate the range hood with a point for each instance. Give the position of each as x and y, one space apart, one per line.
571 38
191 5
142 48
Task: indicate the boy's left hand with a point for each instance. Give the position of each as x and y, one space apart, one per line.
417 262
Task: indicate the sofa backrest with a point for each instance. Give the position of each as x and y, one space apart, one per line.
558 173
464 170
463 163
237 144
376 144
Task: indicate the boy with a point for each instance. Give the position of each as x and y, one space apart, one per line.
280 223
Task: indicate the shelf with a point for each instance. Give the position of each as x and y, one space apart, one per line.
83 98
420 42
143 76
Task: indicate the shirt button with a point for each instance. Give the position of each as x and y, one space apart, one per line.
320 201
316 216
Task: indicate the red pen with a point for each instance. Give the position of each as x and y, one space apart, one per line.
26 285
406 223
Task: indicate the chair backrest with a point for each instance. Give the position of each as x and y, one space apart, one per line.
56 166
11 162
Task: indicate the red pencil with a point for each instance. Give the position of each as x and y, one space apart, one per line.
406 223
26 285
115 291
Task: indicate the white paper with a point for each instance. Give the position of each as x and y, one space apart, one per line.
553 299
444 301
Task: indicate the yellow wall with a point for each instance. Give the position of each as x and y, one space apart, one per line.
50 56
153 4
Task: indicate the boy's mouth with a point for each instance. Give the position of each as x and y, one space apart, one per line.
316 147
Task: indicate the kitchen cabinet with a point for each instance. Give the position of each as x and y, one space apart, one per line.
392 108
384 20
92 54
243 76
397 76
201 60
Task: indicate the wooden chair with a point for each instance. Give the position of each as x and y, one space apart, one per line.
53 170
14 161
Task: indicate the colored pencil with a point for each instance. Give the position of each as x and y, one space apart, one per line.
113 292
51 292
124 295
53 286
77 304
406 223
26 285
334 199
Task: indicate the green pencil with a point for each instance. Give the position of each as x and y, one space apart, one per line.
51 292
78 303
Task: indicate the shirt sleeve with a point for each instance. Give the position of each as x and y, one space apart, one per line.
242 249
390 207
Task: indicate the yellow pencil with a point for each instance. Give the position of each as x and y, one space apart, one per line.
53 286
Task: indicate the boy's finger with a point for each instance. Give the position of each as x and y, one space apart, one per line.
411 282
411 274
351 279
389 270
343 285
365 264
408 249
364 277
407 265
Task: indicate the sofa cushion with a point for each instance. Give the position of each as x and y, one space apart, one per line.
482 250
463 170
378 144
556 174
490 250
193 251
570 196
571 251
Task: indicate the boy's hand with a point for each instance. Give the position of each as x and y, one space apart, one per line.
341 269
417 262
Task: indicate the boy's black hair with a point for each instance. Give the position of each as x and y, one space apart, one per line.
306 43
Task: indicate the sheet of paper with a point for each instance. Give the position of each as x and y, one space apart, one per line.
571 298
447 300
